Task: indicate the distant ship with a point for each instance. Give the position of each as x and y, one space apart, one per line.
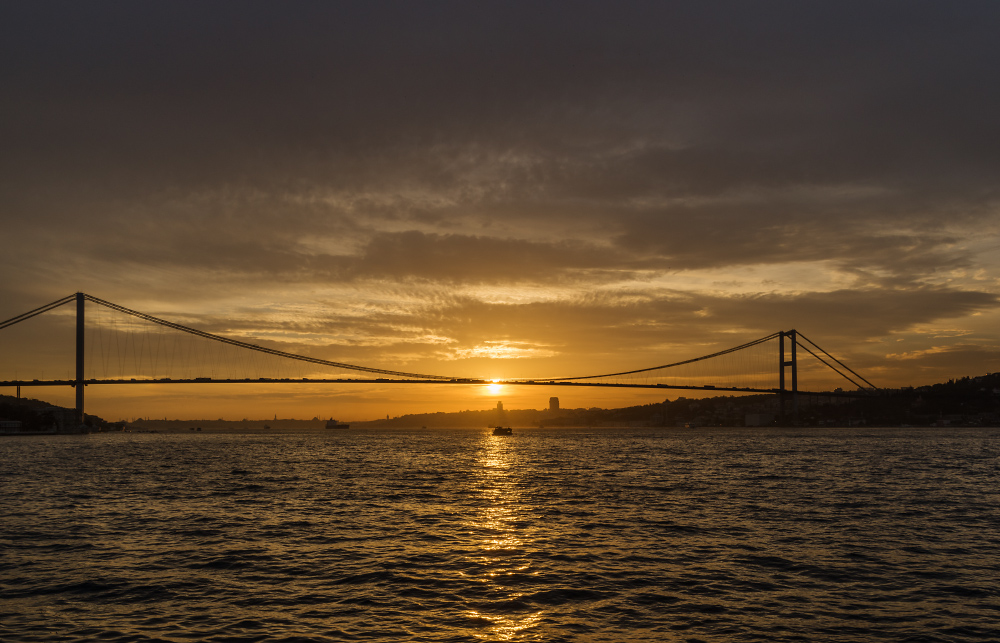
333 424
502 430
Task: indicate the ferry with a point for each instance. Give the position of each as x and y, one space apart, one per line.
334 424
502 430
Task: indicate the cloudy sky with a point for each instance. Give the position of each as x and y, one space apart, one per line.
508 189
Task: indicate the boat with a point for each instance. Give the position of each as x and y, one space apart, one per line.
502 430
334 424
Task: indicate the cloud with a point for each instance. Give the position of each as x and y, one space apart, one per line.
939 363
503 350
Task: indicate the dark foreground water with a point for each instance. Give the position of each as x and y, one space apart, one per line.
548 535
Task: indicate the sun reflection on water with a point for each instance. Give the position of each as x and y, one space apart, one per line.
505 628
503 557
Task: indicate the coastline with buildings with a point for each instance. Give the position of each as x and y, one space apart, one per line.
26 416
968 401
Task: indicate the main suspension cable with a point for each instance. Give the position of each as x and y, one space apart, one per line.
261 349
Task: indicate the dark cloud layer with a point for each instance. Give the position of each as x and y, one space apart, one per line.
762 93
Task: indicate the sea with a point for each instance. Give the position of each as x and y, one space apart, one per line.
640 534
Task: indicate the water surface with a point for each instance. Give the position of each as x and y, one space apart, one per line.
547 535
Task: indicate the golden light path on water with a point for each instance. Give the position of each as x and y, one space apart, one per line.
504 550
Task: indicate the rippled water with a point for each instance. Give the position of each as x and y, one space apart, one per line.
548 535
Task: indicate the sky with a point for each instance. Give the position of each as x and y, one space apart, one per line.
504 189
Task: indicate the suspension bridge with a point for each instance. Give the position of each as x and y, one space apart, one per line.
115 345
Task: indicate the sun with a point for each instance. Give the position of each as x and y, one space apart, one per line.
495 387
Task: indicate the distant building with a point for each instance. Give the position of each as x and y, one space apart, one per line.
553 403
500 406
63 420
758 419
10 426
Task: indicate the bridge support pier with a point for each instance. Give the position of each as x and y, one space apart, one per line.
782 365
78 383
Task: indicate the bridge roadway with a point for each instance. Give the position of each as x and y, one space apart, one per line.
264 380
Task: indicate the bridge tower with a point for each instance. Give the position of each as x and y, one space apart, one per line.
782 365
78 383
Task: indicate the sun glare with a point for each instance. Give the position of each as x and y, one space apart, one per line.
495 387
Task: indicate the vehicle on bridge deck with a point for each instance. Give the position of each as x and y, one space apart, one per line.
502 430
334 424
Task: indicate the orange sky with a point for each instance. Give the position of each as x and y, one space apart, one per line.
502 190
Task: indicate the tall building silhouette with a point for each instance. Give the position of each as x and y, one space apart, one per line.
553 403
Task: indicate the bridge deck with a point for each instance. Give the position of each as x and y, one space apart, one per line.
207 380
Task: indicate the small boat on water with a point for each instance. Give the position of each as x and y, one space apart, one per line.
502 430
334 424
